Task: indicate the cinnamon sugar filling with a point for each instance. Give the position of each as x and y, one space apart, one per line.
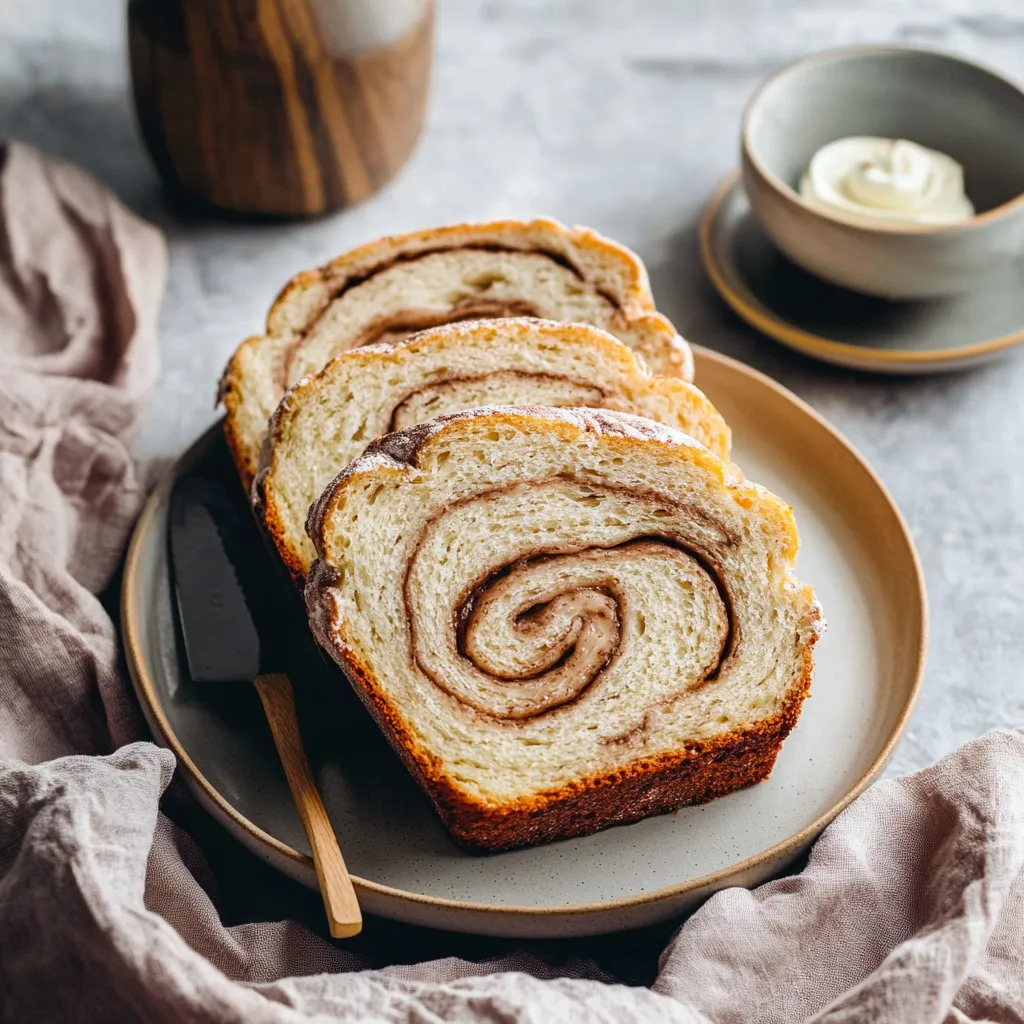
572 631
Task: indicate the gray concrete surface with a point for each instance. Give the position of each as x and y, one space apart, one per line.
622 116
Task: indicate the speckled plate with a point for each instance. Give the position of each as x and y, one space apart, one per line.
839 326
857 553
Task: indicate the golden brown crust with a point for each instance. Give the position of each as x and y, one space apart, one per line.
268 513
229 395
699 773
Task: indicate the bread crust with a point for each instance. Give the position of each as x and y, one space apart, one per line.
305 297
231 396
697 773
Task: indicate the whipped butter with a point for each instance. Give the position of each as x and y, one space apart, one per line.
870 180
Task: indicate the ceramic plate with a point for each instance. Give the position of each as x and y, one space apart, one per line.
855 550
843 327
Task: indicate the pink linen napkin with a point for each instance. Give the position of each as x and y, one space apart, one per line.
911 907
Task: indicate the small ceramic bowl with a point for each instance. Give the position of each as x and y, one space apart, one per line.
934 99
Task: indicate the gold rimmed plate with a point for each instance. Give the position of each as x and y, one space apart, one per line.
855 550
838 326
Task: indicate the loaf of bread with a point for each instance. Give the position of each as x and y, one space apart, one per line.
326 420
562 619
395 286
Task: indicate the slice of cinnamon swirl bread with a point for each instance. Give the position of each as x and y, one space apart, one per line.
562 619
326 420
398 285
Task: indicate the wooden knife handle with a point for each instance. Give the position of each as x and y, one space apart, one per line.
343 915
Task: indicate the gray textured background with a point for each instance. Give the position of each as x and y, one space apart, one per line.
622 116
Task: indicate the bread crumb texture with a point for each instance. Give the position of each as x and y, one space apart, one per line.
562 619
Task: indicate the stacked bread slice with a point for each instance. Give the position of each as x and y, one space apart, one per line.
326 420
526 544
395 286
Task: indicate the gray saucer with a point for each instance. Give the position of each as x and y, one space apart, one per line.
843 327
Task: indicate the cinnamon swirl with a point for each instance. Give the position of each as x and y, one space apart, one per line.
562 619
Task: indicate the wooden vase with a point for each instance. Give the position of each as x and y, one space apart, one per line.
280 107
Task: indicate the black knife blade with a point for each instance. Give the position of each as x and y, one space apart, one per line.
239 621
233 614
